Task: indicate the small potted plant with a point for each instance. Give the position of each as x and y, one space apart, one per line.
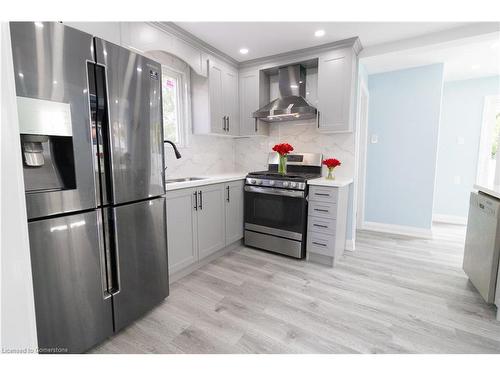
283 149
331 164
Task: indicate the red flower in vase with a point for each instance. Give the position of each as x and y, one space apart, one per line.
331 163
283 148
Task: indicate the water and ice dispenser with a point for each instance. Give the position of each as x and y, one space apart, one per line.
46 145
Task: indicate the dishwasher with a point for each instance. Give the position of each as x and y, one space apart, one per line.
482 244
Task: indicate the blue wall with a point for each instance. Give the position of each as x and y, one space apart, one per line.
461 116
404 112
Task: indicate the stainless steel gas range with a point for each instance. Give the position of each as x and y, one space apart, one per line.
276 206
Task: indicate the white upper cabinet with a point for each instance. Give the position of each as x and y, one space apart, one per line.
336 90
215 101
230 101
249 96
215 96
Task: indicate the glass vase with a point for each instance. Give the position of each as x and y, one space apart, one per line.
330 176
282 165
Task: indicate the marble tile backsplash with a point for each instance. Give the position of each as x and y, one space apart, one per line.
214 155
204 155
251 153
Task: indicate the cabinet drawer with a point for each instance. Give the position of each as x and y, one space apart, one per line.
323 194
320 225
321 244
322 209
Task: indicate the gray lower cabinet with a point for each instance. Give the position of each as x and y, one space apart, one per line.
234 211
201 221
181 229
211 219
326 223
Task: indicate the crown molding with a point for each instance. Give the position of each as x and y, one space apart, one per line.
354 43
179 32
173 29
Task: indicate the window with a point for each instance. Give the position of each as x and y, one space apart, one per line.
488 170
175 105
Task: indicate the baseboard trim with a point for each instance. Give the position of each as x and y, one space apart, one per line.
449 219
397 229
179 274
350 245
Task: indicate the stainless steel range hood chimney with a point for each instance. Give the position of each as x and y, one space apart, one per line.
291 105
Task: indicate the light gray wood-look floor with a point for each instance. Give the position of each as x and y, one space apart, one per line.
394 294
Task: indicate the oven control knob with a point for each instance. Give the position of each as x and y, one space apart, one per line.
293 184
285 183
271 183
253 182
260 182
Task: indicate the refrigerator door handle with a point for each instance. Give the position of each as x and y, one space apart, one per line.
112 256
201 200
102 258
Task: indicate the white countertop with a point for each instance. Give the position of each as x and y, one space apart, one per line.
493 190
207 180
322 181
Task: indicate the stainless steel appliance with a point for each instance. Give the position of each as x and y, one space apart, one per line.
291 105
482 244
92 143
276 206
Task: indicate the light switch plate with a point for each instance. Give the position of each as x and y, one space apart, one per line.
460 140
457 180
374 138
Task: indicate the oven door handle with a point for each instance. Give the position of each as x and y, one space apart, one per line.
275 191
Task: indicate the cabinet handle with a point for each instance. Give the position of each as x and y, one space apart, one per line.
322 194
318 118
227 123
224 123
256 128
320 210
195 201
201 200
227 193
321 226
319 243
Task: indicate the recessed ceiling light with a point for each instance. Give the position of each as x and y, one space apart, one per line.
21 75
243 51
38 24
476 66
319 33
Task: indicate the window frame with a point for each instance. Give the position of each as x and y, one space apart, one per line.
183 102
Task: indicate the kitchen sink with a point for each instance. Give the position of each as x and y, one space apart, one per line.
184 179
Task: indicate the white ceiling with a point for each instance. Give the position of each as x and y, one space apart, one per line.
471 58
270 38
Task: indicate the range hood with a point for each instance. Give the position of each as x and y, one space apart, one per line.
291 105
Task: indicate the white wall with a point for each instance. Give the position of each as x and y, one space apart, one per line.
18 310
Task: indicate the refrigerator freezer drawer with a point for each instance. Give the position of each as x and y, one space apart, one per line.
141 244
73 311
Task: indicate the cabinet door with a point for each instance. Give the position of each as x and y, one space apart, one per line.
215 76
181 229
230 101
211 222
234 211
249 102
335 79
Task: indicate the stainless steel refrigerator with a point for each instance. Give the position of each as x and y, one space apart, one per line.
92 142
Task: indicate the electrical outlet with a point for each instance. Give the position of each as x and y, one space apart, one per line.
457 180
374 138
460 140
